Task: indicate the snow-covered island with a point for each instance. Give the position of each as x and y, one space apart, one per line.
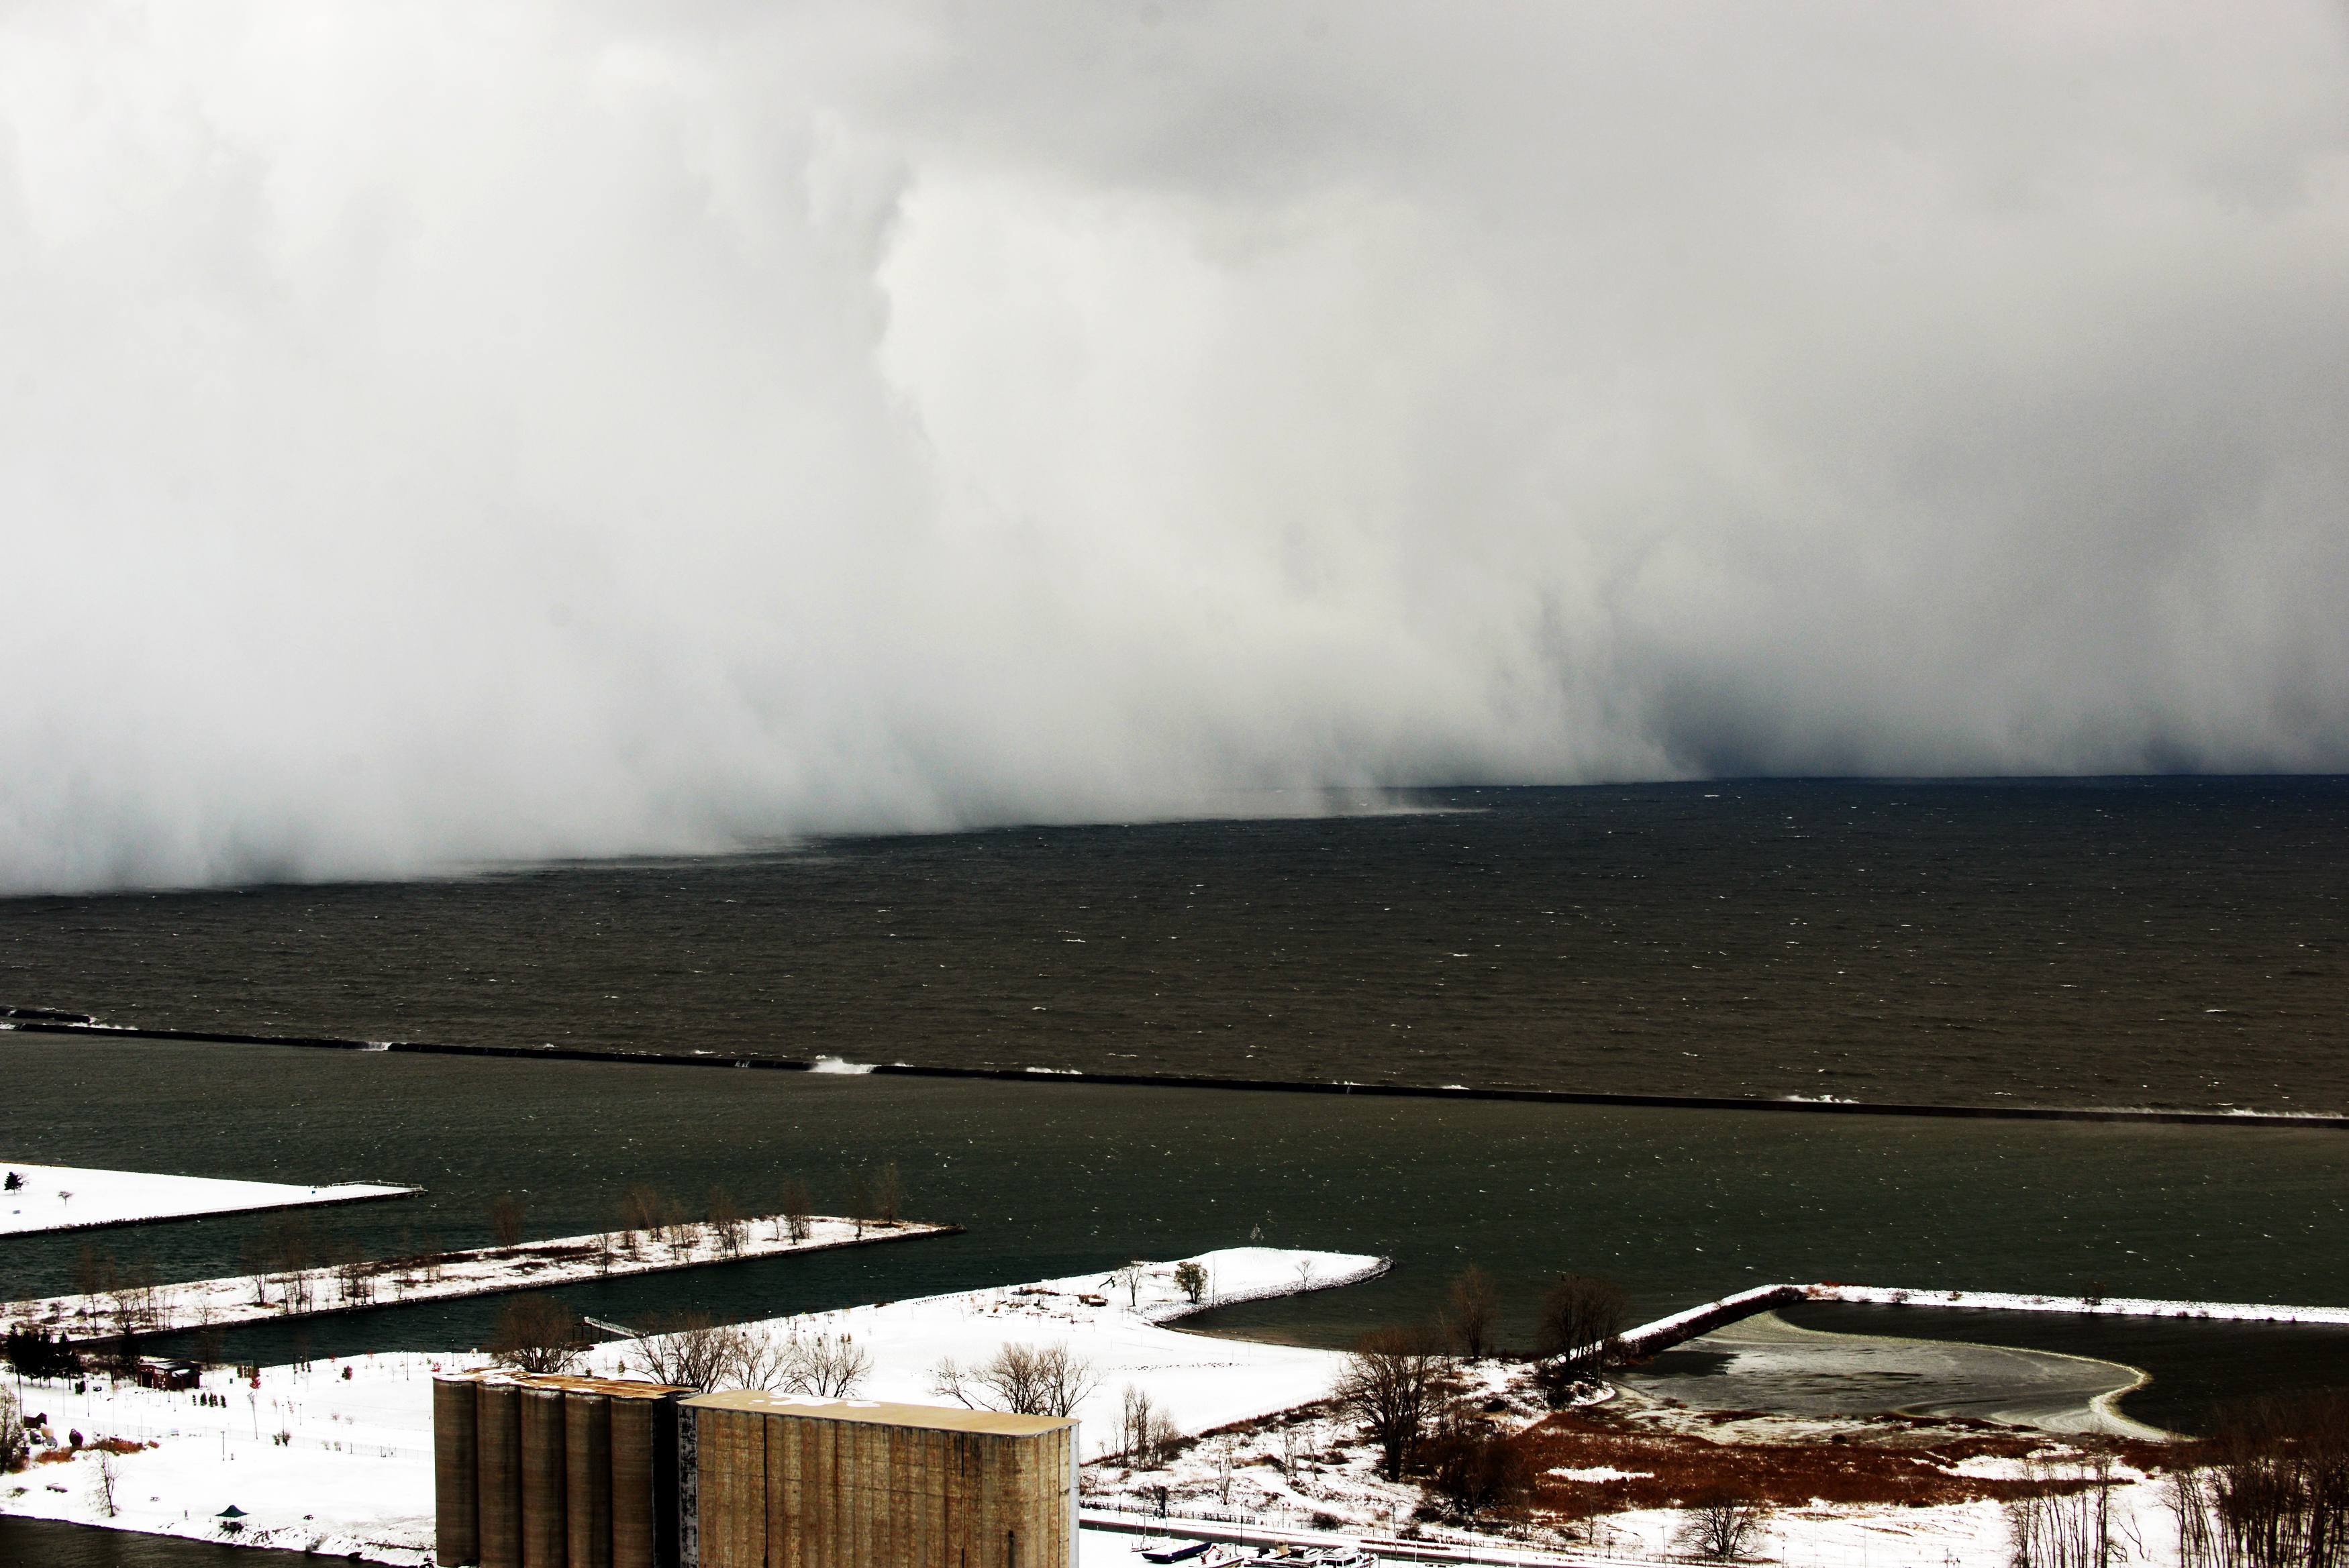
35 1197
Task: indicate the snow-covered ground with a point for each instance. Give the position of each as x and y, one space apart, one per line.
355 1286
74 1198
337 1458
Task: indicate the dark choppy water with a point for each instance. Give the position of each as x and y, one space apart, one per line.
2170 942
1057 1178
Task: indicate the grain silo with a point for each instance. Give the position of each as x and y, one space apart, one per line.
776 1479
551 1472
497 1490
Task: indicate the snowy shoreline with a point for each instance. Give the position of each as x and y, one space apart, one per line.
337 1457
53 1198
363 1286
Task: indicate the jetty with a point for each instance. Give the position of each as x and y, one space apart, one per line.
1664 1333
364 1284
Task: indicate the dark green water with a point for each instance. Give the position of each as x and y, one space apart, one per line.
1056 1178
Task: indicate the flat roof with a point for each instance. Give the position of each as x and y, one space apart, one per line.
875 1413
566 1383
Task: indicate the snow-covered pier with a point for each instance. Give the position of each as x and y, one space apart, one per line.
1680 1326
357 1285
38 1198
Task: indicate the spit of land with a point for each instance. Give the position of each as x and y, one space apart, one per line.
79 1198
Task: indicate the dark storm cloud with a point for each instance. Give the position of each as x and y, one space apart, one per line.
439 432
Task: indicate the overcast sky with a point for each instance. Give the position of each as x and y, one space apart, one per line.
431 432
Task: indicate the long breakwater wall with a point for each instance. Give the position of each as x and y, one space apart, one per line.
55 1021
1664 1333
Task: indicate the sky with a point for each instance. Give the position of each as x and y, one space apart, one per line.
433 433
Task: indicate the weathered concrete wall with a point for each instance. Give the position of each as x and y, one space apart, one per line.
637 1456
499 1494
818 1487
545 1530
456 1458
588 1477
732 1459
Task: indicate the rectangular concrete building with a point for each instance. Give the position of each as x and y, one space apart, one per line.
776 1480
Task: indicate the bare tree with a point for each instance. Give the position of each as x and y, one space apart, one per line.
640 1213
687 1351
1580 1331
1224 1453
888 1194
1146 1435
726 1224
860 1202
94 1272
1471 1303
2066 1521
103 1484
676 1229
827 1367
799 1210
506 1216
537 1333
131 1297
1723 1524
1389 1384
355 1279
758 1358
1129 1276
2277 1491
1025 1379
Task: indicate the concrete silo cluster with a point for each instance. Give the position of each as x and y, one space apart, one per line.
587 1472
533 1471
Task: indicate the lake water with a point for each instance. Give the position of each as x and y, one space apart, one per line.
2135 941
2164 943
1058 1179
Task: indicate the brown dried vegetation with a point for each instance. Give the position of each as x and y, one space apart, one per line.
1891 1459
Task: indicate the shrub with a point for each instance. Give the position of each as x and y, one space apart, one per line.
1471 1471
15 1445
